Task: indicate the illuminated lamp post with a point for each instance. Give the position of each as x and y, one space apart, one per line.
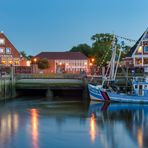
90 66
35 65
92 60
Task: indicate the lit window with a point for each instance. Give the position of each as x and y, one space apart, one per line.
16 62
1 50
2 41
3 62
139 49
8 50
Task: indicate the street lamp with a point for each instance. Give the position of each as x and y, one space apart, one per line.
35 65
35 60
92 59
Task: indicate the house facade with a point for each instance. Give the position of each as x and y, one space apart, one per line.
138 55
64 62
9 55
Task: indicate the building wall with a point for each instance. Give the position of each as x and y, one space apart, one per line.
71 66
66 66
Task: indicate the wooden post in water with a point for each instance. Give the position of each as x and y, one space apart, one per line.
49 94
85 94
12 81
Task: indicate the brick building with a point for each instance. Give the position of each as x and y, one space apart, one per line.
9 55
64 62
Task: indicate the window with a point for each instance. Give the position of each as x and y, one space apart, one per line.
136 86
146 49
2 41
8 50
138 61
1 50
146 36
145 60
140 49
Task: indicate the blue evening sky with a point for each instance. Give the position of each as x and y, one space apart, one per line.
58 25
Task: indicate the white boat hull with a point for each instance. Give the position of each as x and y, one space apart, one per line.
96 94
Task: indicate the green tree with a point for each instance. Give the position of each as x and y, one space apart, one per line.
125 51
101 47
23 53
84 48
43 63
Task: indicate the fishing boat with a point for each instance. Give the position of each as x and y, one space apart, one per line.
139 93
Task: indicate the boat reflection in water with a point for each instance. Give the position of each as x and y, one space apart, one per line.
119 124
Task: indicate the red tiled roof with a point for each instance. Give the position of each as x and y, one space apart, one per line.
62 55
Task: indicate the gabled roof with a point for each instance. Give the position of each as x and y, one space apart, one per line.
62 55
8 44
144 36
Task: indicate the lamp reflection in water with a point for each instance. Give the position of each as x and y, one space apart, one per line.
93 127
34 127
8 126
140 137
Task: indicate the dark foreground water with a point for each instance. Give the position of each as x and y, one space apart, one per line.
27 123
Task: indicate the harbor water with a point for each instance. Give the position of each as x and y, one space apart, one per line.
38 123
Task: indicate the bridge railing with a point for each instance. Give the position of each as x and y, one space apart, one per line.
47 76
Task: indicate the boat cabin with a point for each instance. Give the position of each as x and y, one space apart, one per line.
140 86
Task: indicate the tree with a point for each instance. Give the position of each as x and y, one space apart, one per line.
43 63
125 51
84 48
24 55
101 47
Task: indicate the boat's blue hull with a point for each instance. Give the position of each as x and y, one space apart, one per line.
96 94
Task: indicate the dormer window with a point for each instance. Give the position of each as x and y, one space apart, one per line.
2 41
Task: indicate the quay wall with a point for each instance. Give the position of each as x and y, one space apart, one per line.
7 89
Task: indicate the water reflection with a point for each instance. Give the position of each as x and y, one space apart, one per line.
34 127
8 126
93 127
129 120
107 126
140 137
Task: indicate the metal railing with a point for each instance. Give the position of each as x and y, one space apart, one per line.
47 76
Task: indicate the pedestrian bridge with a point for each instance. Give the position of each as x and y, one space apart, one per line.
52 85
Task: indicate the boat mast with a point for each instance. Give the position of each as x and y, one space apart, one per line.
113 64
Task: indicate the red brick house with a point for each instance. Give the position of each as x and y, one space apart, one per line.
64 62
9 55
